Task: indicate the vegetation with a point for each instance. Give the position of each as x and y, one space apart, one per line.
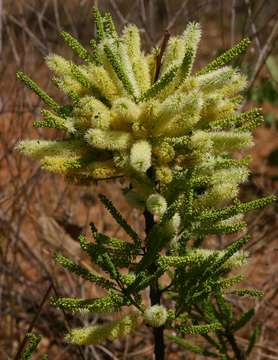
173 134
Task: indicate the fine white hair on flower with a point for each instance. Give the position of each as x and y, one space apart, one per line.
155 315
140 156
128 116
156 204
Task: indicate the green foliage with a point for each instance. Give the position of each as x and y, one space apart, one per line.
99 24
119 70
77 47
31 347
245 317
158 86
55 122
252 340
173 135
188 345
120 220
83 272
110 303
227 56
33 341
41 93
79 76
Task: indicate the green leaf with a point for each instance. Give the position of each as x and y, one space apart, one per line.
119 251
160 85
53 121
243 320
186 63
99 24
199 329
119 70
84 81
83 272
77 47
109 26
247 292
120 220
221 229
252 339
31 347
239 208
110 303
188 345
109 266
41 93
143 280
230 251
226 57
228 282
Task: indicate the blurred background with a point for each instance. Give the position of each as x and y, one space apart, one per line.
40 212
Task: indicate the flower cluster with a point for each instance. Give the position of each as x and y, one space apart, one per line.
98 333
130 115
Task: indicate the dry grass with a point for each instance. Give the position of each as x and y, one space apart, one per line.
39 212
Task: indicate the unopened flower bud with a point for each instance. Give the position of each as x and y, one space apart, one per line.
156 204
155 315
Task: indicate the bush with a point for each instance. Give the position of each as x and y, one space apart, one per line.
173 135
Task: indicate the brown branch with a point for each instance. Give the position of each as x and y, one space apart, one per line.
161 52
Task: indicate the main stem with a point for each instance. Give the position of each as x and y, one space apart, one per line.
238 353
155 294
159 347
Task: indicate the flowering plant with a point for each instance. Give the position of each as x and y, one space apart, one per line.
173 134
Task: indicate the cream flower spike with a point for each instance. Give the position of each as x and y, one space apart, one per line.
121 118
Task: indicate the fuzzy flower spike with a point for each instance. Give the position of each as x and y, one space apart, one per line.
119 122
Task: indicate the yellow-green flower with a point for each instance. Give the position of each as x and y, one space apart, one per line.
120 122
